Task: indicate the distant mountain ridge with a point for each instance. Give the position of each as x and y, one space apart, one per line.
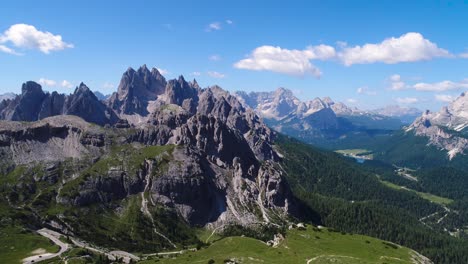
317 119
447 128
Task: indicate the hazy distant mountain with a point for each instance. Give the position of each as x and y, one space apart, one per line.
314 120
7 96
101 96
406 114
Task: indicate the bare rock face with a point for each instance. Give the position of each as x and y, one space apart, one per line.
136 88
447 128
33 104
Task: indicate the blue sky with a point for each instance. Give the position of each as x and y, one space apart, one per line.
364 53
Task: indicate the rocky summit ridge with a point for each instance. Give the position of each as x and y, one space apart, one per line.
446 129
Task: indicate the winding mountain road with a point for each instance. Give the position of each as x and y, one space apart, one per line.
54 236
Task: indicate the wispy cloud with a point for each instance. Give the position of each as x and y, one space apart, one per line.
396 83
214 57
52 83
195 73
163 71
108 85
8 50
28 37
407 100
215 74
66 84
365 90
229 22
444 98
441 86
213 27
47 82
351 101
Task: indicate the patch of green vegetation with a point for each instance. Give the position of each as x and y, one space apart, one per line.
300 246
430 197
17 243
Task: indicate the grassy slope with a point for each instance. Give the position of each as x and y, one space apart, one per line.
323 246
17 244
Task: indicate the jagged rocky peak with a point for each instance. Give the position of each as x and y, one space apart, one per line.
442 127
182 93
32 88
136 88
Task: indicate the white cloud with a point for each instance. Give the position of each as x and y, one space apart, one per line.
8 50
291 62
215 74
463 55
66 84
441 86
407 100
213 27
108 85
444 98
409 47
27 36
214 57
47 82
163 71
365 90
351 101
229 22
195 73
396 83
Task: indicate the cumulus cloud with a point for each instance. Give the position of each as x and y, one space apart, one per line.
441 86
214 57
213 27
444 98
365 90
409 47
291 62
407 100
28 37
215 74
396 83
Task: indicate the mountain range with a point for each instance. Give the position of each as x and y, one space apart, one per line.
159 160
